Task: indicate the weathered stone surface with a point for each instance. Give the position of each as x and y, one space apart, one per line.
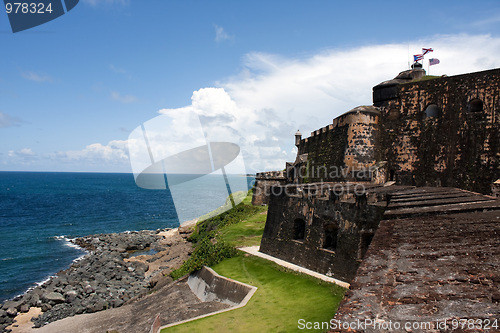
12 312
263 183
53 297
70 296
428 268
459 146
12 304
102 279
343 150
338 225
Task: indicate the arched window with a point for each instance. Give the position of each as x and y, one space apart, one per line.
292 174
475 105
330 240
299 229
433 111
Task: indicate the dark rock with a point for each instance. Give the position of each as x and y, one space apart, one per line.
54 297
32 299
98 306
46 307
24 308
88 289
102 279
12 304
11 312
70 296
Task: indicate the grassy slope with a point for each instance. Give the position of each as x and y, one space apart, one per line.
283 297
281 300
246 233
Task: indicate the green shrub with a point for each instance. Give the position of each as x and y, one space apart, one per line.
207 228
209 248
208 252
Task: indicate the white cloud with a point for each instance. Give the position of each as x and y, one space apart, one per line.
115 153
8 121
221 35
24 157
110 157
126 99
273 96
32 76
25 152
225 121
261 108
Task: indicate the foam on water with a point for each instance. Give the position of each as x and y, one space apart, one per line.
42 212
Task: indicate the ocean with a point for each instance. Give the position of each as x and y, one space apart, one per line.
41 211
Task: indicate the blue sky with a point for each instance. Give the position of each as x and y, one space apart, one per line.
72 90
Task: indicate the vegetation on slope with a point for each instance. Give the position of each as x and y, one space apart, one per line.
283 296
209 246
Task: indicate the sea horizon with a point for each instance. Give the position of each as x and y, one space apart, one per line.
41 211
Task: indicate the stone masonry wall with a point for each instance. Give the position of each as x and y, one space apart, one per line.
336 232
444 132
263 183
337 151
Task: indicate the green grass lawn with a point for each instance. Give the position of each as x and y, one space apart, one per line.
248 232
282 298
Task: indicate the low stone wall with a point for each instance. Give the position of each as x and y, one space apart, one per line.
208 286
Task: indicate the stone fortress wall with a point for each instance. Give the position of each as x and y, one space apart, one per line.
340 151
262 186
442 131
421 131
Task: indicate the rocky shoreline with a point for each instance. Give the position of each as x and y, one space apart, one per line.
111 274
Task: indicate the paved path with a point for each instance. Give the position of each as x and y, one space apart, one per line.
254 250
434 259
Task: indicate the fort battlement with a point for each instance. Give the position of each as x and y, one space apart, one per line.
406 173
338 151
263 183
270 175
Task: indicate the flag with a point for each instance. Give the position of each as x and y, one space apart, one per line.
417 57
433 61
425 51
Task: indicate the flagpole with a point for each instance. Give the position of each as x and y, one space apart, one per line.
408 58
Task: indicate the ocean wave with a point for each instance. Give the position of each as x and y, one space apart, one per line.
36 284
69 242
41 283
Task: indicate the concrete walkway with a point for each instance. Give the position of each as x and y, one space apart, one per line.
254 250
